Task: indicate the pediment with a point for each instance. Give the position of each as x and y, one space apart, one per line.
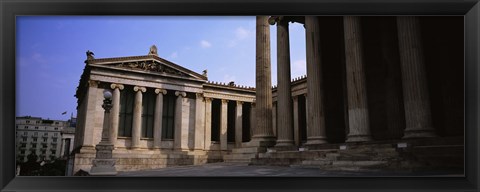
149 64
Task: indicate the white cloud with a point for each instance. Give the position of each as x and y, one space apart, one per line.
174 55
299 68
240 34
205 44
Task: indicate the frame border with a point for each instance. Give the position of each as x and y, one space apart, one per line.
9 9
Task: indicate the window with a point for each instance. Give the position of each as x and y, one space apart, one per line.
23 145
25 133
168 115
34 145
22 152
44 146
44 140
45 134
56 123
56 128
148 109
36 127
24 139
34 139
26 127
54 139
126 112
28 121
55 134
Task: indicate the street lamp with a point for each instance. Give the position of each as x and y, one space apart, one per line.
104 164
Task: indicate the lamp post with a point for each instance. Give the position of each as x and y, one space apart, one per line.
104 164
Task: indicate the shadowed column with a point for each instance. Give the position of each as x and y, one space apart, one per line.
359 127
284 98
414 79
315 116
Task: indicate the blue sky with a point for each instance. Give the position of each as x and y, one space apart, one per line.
51 52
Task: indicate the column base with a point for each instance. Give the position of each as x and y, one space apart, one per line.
358 138
316 140
103 167
284 143
262 141
409 134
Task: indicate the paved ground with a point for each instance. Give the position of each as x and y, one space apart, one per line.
233 169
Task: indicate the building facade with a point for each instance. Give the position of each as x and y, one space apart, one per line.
42 137
369 79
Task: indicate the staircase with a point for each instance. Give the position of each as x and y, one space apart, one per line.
243 154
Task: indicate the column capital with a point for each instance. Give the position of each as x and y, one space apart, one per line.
199 95
138 88
224 101
295 97
159 90
239 102
93 83
207 99
115 85
180 93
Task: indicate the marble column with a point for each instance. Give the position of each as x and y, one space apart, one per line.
359 127
224 125
158 118
284 95
137 117
262 131
238 124
199 122
208 123
316 133
90 112
178 132
414 79
296 130
274 119
115 113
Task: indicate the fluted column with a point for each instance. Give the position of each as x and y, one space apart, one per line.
414 79
223 125
208 123
296 130
178 143
238 124
137 117
262 131
315 116
115 114
199 122
158 118
358 117
284 95
274 118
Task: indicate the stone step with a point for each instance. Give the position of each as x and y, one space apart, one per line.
249 150
246 158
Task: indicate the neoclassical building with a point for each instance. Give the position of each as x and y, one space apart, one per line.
369 80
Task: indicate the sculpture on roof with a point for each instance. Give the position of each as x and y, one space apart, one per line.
204 73
153 50
90 55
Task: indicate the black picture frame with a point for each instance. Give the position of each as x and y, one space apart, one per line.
9 9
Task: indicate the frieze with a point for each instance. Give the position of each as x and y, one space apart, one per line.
151 66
